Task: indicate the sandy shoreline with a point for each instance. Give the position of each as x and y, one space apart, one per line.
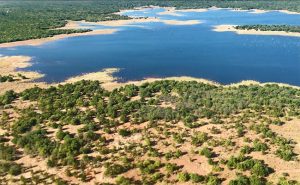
176 12
37 42
115 23
230 28
135 20
9 65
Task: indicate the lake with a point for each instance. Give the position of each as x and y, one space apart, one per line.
160 50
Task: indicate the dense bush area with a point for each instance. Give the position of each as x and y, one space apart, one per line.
153 130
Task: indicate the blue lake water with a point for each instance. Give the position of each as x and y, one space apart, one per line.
160 50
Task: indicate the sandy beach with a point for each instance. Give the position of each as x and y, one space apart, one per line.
73 25
257 11
226 28
118 23
104 76
9 65
289 12
176 12
181 23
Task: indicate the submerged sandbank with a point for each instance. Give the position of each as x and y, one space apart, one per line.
231 28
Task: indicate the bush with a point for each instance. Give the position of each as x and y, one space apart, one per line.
124 132
240 180
207 152
196 178
183 177
112 170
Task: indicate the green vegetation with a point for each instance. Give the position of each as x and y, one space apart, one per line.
23 20
259 27
77 129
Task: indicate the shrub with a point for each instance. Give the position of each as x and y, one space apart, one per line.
207 152
183 177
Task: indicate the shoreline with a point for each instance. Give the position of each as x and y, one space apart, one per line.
10 64
38 42
106 31
127 22
230 28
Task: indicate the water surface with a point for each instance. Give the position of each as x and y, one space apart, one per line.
160 50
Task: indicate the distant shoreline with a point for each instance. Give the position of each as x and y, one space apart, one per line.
231 28
37 42
168 11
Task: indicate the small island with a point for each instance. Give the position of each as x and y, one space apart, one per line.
261 27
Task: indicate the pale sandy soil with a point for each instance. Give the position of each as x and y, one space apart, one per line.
174 12
37 42
9 66
104 76
238 10
112 85
257 11
252 82
289 12
225 28
72 25
118 23
180 23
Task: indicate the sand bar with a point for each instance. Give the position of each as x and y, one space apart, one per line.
226 28
176 12
181 23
